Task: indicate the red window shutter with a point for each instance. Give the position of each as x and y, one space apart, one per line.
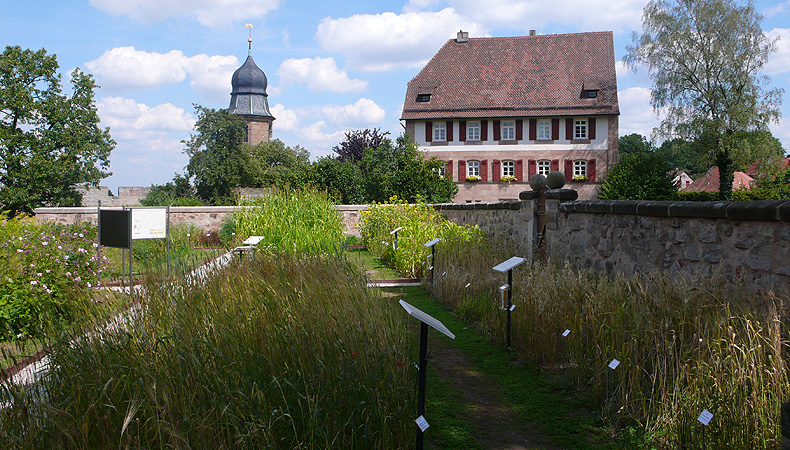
519 170
428 131
449 131
462 130
497 131
591 128
555 131
568 170
533 129
591 169
483 130
496 170
484 170
519 129
461 170
448 169
569 128
532 168
555 165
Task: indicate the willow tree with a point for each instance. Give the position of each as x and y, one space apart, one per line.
704 58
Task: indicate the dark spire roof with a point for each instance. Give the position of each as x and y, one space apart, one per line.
249 79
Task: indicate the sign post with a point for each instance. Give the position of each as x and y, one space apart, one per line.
508 267
425 321
432 246
395 233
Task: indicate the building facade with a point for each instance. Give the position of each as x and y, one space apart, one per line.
499 110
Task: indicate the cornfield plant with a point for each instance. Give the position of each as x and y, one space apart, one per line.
295 221
684 345
419 224
277 351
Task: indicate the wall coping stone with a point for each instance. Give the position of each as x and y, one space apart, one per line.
562 194
513 205
528 195
764 210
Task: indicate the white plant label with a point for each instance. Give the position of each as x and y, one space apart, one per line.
512 307
444 273
422 423
705 417
467 285
613 365
566 333
430 267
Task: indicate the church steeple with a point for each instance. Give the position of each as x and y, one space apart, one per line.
248 98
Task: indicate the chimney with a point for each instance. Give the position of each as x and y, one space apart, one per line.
463 36
532 32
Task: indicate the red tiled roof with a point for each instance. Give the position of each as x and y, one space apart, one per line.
710 181
753 169
517 76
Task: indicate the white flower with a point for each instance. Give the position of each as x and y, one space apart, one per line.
19 250
95 245
33 282
44 243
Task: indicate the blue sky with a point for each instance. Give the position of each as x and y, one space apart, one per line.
332 66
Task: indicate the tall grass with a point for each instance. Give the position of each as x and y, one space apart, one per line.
292 220
684 346
276 352
420 223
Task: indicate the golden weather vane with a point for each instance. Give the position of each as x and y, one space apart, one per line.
249 39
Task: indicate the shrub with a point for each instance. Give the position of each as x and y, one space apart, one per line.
639 176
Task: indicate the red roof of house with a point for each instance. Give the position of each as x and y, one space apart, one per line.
753 169
521 76
710 181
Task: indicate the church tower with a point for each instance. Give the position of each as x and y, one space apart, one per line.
248 99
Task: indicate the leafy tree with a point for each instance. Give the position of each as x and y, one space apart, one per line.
639 176
49 141
633 143
178 192
357 141
275 164
343 181
704 57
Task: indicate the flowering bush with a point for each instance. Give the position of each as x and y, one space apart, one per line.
473 178
579 178
46 272
420 223
507 179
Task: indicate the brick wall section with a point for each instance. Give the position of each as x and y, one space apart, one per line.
746 240
512 221
210 218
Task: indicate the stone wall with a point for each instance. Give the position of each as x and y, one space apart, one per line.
210 218
127 196
512 221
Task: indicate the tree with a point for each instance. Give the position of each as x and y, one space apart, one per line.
357 141
704 58
178 192
275 164
639 176
49 141
633 143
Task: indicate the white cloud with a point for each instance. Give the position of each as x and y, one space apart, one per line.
285 119
379 42
316 137
636 113
779 62
621 69
778 9
212 13
319 74
124 68
781 131
363 113
129 120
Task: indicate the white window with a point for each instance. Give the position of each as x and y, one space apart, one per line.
508 168
580 129
440 132
544 167
544 130
580 168
473 131
509 130
473 169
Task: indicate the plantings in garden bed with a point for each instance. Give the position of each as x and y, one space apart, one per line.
420 223
682 348
283 351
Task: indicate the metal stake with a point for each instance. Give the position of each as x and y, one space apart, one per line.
421 380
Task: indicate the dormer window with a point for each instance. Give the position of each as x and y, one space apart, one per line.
590 93
423 98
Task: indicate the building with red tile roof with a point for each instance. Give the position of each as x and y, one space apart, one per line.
499 110
710 181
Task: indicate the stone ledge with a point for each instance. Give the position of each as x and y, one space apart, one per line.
562 194
512 205
764 210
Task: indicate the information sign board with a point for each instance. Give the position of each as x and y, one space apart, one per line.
149 223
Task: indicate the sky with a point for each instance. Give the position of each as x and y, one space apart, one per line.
331 66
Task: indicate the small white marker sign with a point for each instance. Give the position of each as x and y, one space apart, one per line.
509 264
467 285
512 307
705 417
396 230
444 273
430 267
566 333
422 423
432 243
613 365
425 318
